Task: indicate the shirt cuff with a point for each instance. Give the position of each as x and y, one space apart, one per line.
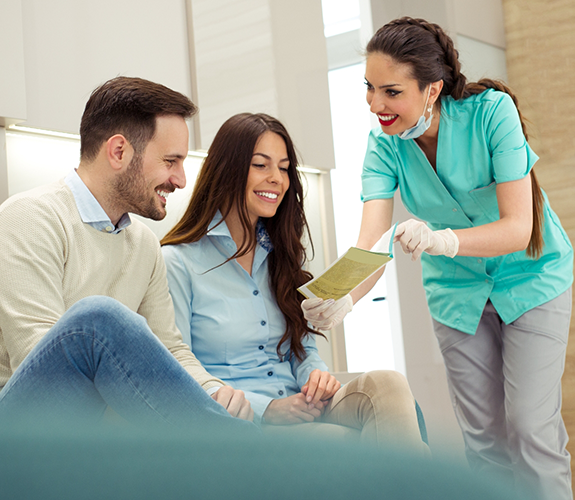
213 390
259 404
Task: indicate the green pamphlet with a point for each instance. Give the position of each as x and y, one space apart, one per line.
350 270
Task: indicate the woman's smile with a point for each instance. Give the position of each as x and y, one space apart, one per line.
267 196
387 120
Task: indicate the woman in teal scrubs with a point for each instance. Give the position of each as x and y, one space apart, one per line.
497 265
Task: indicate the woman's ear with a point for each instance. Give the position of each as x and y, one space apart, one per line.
435 91
119 152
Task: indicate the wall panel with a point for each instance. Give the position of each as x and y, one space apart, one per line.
71 47
541 68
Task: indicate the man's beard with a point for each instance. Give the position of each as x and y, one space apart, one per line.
131 191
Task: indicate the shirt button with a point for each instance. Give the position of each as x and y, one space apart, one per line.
281 393
109 229
479 260
270 374
486 281
263 323
256 292
455 209
261 347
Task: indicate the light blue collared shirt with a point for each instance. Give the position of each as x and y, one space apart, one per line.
231 319
90 210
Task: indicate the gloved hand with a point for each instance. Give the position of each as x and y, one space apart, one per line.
415 238
327 314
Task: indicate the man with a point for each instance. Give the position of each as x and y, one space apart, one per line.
86 320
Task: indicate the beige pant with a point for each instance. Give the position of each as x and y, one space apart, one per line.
378 405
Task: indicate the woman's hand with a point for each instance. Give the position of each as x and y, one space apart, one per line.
320 387
326 314
415 238
235 402
292 410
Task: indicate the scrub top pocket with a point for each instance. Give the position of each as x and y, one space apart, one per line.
483 208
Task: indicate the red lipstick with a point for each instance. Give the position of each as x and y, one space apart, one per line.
387 123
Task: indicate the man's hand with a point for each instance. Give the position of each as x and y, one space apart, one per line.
292 410
320 387
235 402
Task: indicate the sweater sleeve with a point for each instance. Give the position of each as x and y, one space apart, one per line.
158 309
33 249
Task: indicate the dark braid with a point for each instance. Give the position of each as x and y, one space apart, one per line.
454 81
430 54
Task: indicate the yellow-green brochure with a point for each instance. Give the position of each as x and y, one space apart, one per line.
350 270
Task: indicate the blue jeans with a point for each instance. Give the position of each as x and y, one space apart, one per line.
102 354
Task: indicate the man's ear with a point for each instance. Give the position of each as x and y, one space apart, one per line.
119 152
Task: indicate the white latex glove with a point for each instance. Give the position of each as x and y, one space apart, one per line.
326 314
415 238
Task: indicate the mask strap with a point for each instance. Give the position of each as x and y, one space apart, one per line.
430 109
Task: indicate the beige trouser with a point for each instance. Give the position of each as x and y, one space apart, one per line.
379 405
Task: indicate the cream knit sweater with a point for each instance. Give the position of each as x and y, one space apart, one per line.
50 259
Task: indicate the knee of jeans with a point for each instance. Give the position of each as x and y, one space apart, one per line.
383 380
100 311
95 304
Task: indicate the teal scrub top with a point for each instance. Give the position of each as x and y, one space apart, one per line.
480 144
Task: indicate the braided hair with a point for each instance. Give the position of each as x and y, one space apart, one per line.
430 54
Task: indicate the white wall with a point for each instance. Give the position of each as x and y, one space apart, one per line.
12 79
235 70
71 47
264 56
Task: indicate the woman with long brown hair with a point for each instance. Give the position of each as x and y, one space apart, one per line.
497 266
235 261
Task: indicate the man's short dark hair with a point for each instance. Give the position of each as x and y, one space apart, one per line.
128 106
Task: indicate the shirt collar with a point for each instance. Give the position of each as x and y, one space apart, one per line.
218 227
262 235
91 212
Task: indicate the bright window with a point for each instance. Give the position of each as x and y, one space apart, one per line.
340 16
371 343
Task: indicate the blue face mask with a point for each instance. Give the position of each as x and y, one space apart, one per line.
422 124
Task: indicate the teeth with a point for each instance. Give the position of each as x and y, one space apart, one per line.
386 118
271 196
163 194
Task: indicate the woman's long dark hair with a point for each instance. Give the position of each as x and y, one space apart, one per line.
221 185
431 55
